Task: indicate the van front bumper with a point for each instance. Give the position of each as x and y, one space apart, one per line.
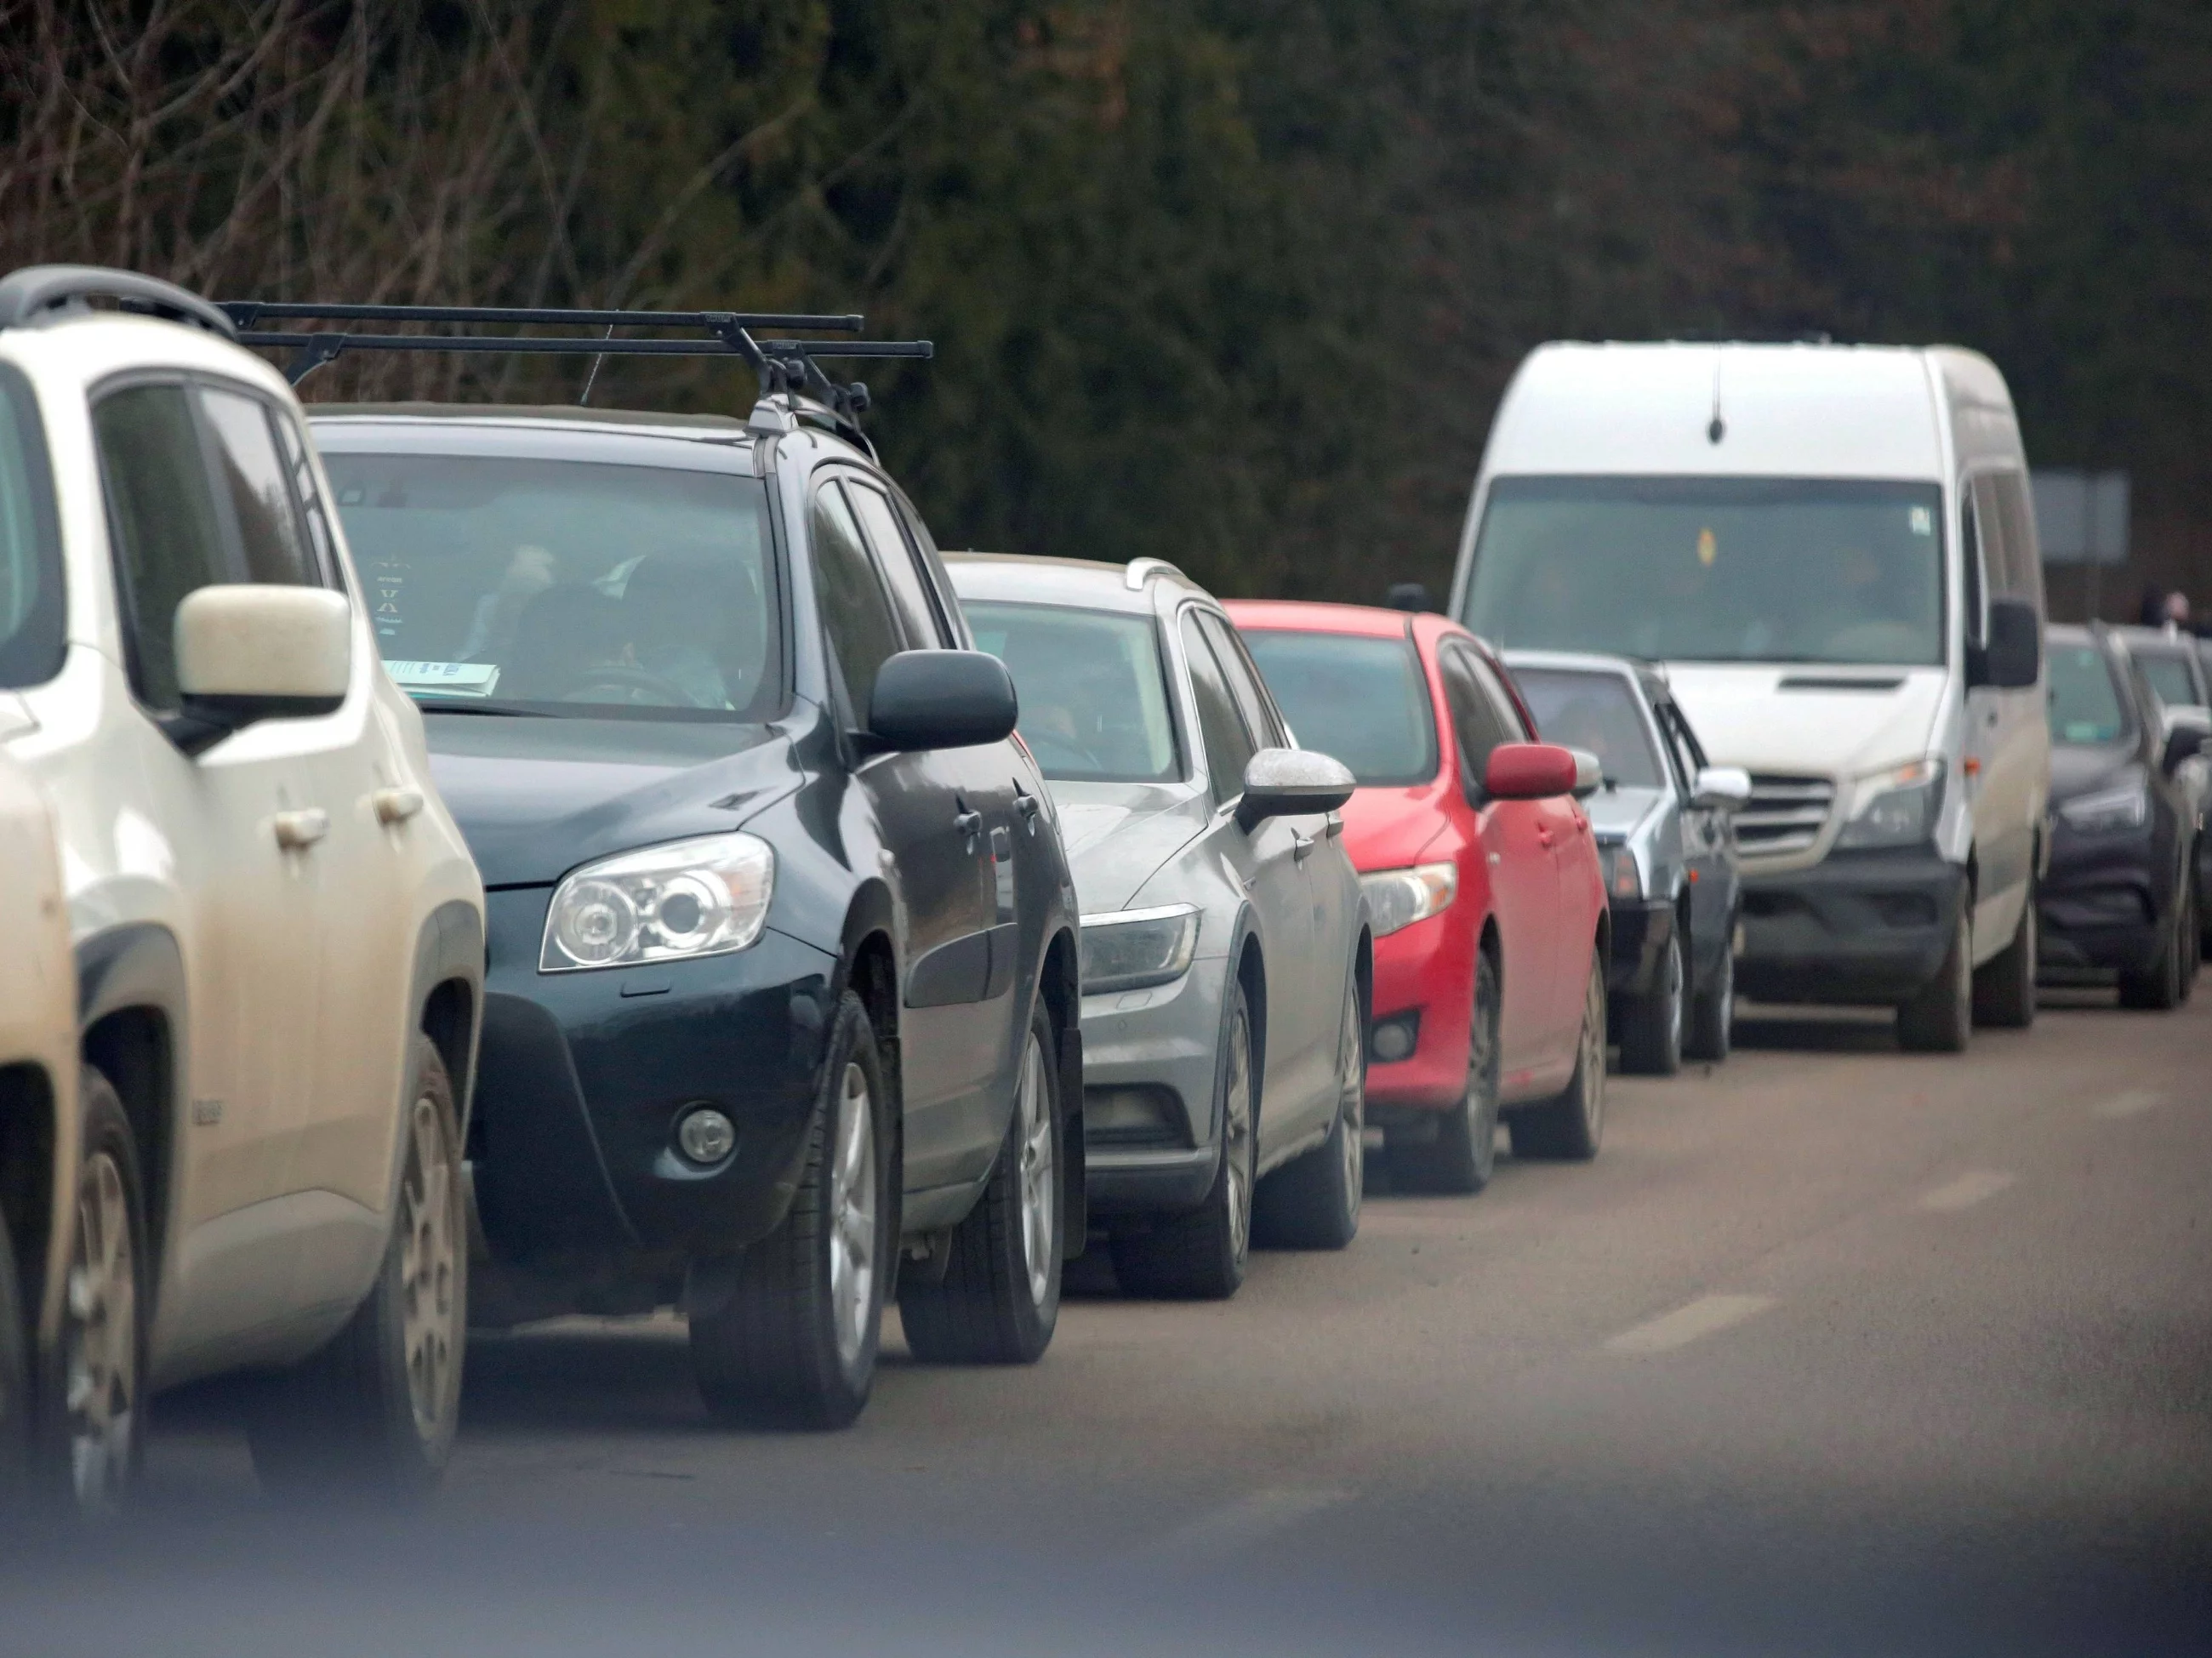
1858 927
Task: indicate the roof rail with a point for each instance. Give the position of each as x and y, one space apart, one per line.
788 369
39 289
1142 570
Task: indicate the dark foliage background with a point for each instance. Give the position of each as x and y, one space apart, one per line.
1233 281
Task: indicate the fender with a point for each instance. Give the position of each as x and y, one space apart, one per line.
141 965
451 945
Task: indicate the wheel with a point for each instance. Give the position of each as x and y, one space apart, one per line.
16 1399
2004 987
1001 1296
2162 984
1712 1011
1651 1024
1571 1124
89 1427
1200 1256
1937 1018
1460 1158
377 1409
1312 1202
795 1343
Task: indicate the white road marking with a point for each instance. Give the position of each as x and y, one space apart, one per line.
1243 1523
2131 1103
1970 1188
1707 1315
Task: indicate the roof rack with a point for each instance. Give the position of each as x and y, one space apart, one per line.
1142 570
38 289
789 370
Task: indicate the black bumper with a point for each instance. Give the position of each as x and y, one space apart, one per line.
583 1075
1641 930
2106 900
1861 928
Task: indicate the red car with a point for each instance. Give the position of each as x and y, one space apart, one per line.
1482 875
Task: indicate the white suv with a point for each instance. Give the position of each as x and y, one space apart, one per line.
277 932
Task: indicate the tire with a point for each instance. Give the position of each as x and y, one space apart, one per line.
2163 985
16 1403
1651 1033
1312 1202
1570 1125
376 1411
1201 1255
1938 1019
999 1300
795 1343
89 1433
2004 987
1462 1156
1713 1011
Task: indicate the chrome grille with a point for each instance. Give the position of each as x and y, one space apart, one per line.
1784 814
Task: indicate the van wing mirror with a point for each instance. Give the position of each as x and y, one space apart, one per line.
2012 659
940 699
247 652
1725 788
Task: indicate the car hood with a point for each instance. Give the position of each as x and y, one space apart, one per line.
1615 812
2082 770
536 797
1118 835
1791 720
1389 827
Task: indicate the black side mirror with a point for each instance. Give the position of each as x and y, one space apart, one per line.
2013 657
941 699
2188 734
1407 596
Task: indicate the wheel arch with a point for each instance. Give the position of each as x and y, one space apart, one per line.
29 1120
131 1013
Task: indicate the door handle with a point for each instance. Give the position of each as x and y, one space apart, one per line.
1028 805
1302 846
1543 837
1335 826
396 805
298 830
967 822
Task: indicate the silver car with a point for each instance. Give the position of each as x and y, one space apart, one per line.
1666 833
1226 952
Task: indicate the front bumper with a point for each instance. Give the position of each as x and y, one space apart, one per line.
1425 971
2102 903
583 1075
1641 930
1858 927
1150 1059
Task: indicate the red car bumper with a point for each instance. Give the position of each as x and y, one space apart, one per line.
1424 974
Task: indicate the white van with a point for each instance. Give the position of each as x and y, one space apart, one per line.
1832 550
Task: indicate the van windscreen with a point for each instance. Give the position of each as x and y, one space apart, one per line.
1712 569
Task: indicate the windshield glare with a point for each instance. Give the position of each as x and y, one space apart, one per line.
2084 707
568 585
1593 711
1718 569
1093 695
1362 699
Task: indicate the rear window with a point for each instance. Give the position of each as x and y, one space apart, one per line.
1597 712
30 547
2085 708
1362 701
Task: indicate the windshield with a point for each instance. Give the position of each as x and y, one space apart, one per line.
1721 569
2168 678
1362 699
1597 712
1093 694
565 586
2085 708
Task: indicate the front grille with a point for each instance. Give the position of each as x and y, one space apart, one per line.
1783 814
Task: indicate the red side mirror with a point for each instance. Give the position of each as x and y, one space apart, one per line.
1528 771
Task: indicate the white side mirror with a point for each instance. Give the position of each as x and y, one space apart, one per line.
250 652
1589 774
1727 787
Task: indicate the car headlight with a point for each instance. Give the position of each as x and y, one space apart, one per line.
1624 879
1396 898
705 896
1129 948
2108 809
1896 807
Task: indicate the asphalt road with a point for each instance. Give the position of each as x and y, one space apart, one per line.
1834 1349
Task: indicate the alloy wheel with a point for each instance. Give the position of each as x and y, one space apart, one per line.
1352 1072
852 1216
429 1265
101 1343
1040 1195
1678 994
1592 1063
1236 1136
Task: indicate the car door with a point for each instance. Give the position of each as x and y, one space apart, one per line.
1266 864
939 847
1708 846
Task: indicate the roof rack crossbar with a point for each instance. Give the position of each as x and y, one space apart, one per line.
248 312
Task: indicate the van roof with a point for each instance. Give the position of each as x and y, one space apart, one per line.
1798 410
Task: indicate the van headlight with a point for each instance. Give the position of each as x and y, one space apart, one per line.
1897 807
705 896
2108 811
1130 949
1396 898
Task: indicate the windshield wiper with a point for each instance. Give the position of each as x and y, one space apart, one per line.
480 705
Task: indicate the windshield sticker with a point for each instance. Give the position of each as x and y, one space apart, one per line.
1708 548
465 678
1923 521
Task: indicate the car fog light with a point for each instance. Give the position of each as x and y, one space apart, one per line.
705 1135
1395 1039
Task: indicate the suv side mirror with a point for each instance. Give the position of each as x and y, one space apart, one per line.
940 699
249 651
1290 783
1531 771
2188 734
1589 774
2014 655
1724 787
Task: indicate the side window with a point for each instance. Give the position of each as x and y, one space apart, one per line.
271 534
863 634
1982 541
32 643
1677 726
933 564
1229 749
161 519
310 499
1680 761
1260 718
1477 723
925 629
2023 567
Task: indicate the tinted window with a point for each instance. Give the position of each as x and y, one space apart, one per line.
31 604
573 587
1362 699
2023 569
2085 705
270 531
1597 712
862 631
1093 692
162 519
2169 678
1479 720
1220 727
1721 569
303 486
915 607
1979 552
1262 717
